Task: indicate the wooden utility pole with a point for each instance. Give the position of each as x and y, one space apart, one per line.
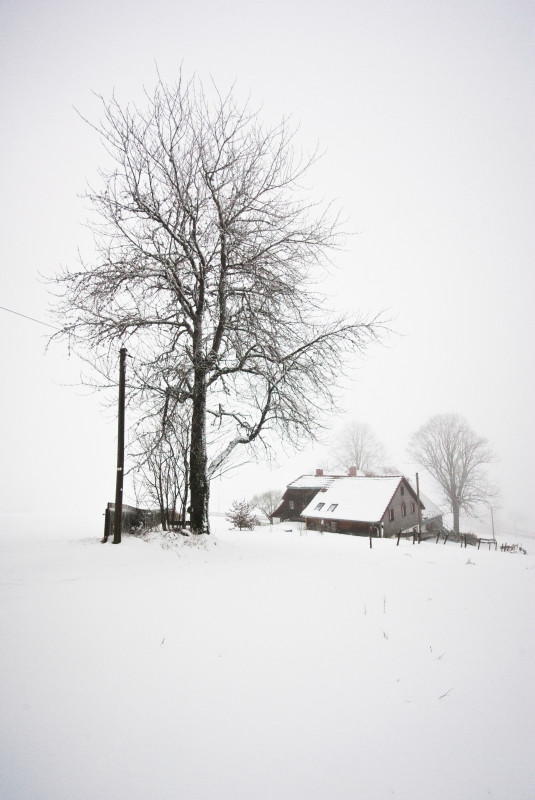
117 520
419 509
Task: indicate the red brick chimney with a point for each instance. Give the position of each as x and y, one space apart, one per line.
319 473
352 472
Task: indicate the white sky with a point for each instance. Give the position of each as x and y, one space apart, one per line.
425 111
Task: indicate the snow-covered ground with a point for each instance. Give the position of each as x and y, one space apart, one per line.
266 664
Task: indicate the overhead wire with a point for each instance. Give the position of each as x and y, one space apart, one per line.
25 316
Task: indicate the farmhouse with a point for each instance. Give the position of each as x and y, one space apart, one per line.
356 504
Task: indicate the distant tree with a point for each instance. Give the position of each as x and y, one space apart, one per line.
357 446
267 501
455 456
207 257
242 515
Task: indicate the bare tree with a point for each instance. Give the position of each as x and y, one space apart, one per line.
161 465
455 456
206 255
359 447
267 501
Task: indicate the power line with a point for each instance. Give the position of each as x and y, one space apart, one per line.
40 322
25 316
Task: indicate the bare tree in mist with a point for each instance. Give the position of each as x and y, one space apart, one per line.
456 457
357 446
267 501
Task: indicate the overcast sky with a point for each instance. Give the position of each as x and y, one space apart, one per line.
425 112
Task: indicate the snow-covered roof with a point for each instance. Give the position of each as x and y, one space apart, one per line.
431 508
362 498
312 481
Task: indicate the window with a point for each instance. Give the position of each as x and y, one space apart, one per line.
319 506
331 508
413 508
391 515
403 510
292 505
402 490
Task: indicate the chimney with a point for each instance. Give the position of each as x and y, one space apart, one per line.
352 472
319 473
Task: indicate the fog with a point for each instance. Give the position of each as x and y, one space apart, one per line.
424 113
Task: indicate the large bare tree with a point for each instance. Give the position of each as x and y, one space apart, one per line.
207 254
455 456
357 446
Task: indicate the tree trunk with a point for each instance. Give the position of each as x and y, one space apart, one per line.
455 509
199 483
161 501
163 514
185 495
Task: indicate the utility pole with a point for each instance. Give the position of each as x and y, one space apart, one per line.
419 509
120 452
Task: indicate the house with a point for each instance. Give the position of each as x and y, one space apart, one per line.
301 492
357 503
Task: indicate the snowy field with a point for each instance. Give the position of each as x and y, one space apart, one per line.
265 665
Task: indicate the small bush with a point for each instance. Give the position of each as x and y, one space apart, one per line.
242 516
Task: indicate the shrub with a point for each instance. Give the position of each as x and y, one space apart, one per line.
242 516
